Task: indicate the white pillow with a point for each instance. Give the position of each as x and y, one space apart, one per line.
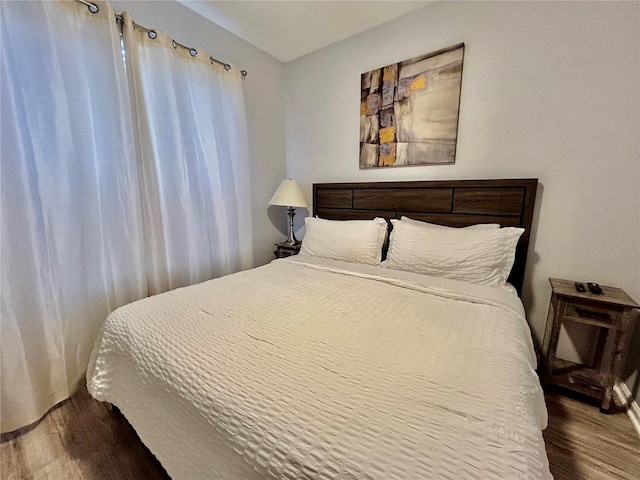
480 226
476 255
357 241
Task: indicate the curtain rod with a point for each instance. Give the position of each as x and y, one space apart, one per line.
93 8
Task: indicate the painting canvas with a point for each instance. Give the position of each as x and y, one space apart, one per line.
409 111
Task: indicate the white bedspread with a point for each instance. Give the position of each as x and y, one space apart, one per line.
309 368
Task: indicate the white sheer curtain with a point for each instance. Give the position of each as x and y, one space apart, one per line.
91 219
71 242
193 161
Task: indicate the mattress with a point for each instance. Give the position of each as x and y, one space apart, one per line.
315 369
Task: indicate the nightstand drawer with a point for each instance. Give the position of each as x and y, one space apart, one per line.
282 253
591 314
284 250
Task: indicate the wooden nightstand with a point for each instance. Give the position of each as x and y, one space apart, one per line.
285 250
611 312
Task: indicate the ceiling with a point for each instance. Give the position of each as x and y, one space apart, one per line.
290 29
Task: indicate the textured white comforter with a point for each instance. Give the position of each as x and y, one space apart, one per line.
309 368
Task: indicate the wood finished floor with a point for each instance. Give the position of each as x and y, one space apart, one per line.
81 439
583 443
84 439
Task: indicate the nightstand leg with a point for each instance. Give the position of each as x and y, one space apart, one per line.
621 347
558 312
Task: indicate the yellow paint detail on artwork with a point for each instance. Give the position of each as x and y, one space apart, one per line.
389 159
389 74
387 135
363 108
419 83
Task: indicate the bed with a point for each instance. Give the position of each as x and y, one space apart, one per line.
313 367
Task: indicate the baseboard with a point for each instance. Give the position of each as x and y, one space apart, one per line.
633 409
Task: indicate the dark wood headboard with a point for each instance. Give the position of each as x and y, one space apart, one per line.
455 203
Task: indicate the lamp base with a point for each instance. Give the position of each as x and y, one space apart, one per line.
291 240
293 243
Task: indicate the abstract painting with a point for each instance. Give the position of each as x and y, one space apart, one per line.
409 111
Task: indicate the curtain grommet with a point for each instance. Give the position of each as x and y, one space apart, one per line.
193 52
174 43
152 34
227 67
93 8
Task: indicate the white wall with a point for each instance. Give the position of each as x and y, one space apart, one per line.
549 90
264 103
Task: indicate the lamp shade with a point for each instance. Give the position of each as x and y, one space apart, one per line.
289 194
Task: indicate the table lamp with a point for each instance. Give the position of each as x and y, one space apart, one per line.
289 195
